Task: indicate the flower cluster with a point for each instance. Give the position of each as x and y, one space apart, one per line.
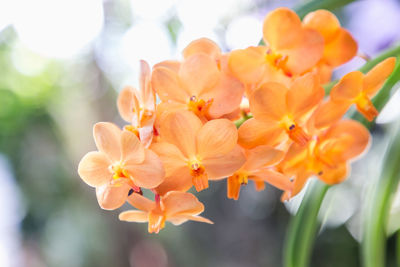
181 130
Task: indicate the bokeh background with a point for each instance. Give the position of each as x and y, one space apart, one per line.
62 63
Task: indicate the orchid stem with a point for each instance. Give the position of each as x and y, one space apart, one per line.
378 207
303 227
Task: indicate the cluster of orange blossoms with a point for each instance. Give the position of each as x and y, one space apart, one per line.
182 133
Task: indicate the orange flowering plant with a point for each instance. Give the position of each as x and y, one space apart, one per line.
182 134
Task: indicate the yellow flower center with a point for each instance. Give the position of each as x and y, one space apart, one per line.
199 176
199 106
295 132
118 171
365 107
277 60
132 129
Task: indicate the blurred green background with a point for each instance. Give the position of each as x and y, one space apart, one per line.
62 64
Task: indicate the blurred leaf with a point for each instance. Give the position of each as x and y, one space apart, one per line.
303 9
303 227
380 199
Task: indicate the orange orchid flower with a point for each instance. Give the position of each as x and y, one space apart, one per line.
259 168
355 88
326 155
291 50
199 85
193 153
278 110
205 46
138 107
339 44
122 164
175 207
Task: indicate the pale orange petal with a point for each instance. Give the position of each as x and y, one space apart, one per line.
274 178
340 49
299 182
215 138
248 65
262 156
148 174
348 87
134 216
223 166
146 134
295 157
126 103
330 112
171 157
112 195
281 28
226 96
179 219
375 78
176 203
93 169
268 102
310 44
180 128
163 109
179 180
324 72
304 94
202 45
324 22
168 86
335 175
173 65
132 151
354 137
253 133
199 73
140 202
108 137
147 94
234 115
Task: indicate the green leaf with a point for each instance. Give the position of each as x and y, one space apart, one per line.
377 212
303 227
303 9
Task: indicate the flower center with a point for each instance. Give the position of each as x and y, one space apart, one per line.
294 131
199 106
278 61
132 129
365 107
199 176
120 173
